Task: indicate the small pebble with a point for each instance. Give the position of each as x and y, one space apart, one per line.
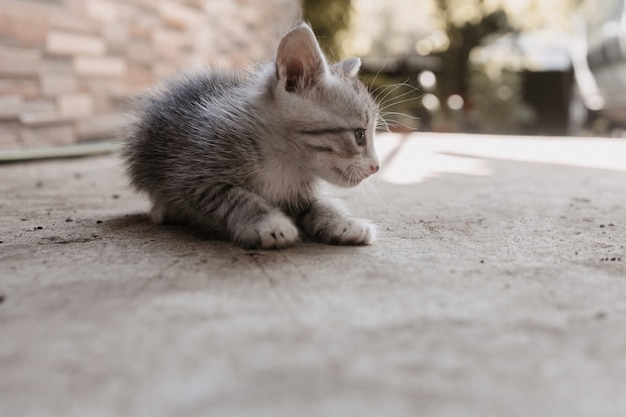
69 219
602 226
99 221
38 228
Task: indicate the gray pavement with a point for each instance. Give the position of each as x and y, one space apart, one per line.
497 287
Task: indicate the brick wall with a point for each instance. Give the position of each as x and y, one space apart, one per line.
67 67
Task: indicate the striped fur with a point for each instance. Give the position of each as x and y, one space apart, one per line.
241 155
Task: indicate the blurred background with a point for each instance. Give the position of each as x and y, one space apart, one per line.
558 67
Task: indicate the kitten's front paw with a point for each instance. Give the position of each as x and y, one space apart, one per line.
352 232
274 231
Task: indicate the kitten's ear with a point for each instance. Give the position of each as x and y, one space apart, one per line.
351 66
299 60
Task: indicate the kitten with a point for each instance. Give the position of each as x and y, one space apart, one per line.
243 156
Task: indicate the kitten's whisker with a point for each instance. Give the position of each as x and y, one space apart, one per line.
411 89
391 90
382 123
397 103
386 91
404 115
374 186
392 122
376 76
370 187
403 125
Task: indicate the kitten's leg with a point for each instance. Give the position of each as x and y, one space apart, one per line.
247 218
328 222
157 212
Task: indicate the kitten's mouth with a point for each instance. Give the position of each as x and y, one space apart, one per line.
345 180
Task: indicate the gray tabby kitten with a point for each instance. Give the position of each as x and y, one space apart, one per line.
243 156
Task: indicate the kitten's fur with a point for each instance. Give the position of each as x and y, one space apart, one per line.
242 156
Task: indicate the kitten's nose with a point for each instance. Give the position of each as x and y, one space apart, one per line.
374 168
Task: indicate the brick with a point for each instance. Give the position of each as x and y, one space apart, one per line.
164 69
10 107
116 37
109 11
9 138
55 83
73 7
150 5
32 137
19 61
66 43
56 76
180 15
198 4
24 23
138 78
143 27
43 118
68 67
56 64
106 126
140 52
75 105
28 89
169 43
63 21
99 66
37 112
38 105
103 90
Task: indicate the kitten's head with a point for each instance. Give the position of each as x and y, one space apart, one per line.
326 112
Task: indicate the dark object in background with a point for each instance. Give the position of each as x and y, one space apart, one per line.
548 93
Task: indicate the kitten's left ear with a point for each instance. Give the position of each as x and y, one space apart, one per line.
299 60
351 66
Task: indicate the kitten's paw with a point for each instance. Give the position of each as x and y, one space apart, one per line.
274 231
157 213
352 232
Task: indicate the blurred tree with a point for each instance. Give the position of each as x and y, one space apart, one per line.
395 30
493 98
465 32
328 18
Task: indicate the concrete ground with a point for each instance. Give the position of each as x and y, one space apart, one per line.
497 288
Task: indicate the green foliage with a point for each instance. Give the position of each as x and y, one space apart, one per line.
327 18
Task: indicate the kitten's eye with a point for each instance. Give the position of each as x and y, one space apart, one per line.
359 136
